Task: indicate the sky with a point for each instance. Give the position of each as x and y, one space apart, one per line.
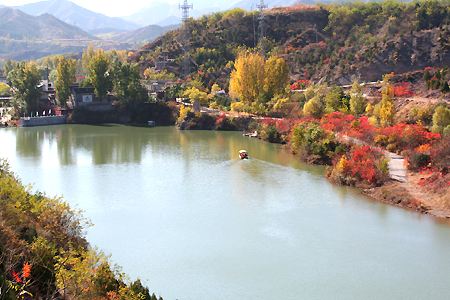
106 7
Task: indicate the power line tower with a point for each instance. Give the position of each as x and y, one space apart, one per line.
262 27
187 35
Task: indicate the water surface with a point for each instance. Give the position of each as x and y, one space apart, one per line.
180 211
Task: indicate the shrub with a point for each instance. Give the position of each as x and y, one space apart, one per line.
224 123
441 119
272 135
312 139
313 108
362 166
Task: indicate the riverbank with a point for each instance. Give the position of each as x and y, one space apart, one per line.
45 254
425 191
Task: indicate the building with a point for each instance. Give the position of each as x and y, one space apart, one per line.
85 97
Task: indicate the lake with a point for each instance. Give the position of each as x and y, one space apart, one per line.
180 211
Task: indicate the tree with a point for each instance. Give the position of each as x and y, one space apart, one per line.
87 56
25 78
315 105
237 106
441 119
5 90
357 102
332 101
9 66
247 80
64 78
98 73
195 94
256 80
127 83
387 111
276 77
215 88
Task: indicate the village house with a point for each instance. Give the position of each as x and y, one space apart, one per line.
85 97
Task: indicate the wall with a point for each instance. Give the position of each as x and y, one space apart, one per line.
42 121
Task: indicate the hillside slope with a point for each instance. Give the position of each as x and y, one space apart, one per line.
325 43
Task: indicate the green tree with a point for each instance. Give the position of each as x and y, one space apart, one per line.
127 83
87 56
195 94
64 78
357 102
441 119
332 102
9 66
98 73
5 90
25 78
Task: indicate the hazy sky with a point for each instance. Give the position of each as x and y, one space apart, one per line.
109 8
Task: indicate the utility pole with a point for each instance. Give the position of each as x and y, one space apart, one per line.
187 35
254 29
262 27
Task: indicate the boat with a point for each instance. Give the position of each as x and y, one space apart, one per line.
243 154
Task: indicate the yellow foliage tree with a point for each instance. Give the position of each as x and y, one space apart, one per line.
255 79
247 80
281 104
276 77
237 106
195 94
215 88
183 113
387 111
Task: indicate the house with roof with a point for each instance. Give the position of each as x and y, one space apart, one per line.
85 97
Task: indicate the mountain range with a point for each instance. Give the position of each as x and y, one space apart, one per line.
15 24
156 13
58 26
71 13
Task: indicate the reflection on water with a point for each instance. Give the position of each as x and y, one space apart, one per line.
179 210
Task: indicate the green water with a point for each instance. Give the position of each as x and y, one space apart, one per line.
180 211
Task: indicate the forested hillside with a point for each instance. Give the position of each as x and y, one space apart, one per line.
327 43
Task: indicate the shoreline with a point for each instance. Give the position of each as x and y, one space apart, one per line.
400 193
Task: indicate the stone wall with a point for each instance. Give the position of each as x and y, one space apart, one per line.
42 121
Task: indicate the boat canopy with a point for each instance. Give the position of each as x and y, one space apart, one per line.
242 151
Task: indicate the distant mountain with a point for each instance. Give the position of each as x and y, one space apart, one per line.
106 30
142 35
71 13
15 24
169 21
